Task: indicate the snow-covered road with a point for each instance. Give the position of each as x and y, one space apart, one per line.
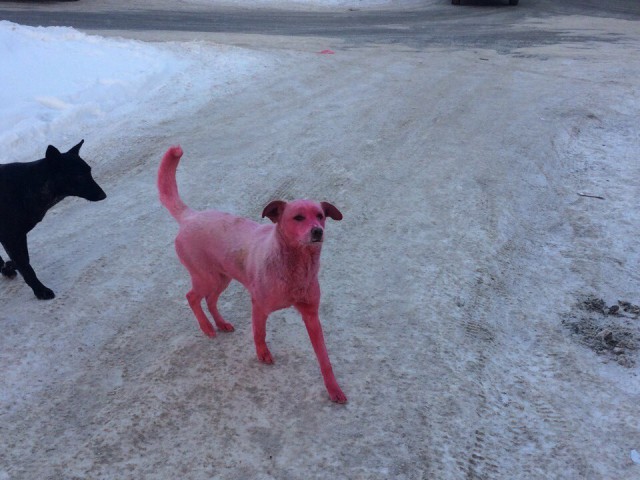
455 290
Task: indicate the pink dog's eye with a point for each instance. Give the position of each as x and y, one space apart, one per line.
320 216
299 218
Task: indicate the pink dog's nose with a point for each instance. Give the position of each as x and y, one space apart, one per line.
316 234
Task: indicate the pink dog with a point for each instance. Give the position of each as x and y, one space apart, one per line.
278 263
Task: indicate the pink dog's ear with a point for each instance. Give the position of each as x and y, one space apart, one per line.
331 211
274 210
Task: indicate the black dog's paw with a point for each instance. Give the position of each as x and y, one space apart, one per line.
45 294
8 269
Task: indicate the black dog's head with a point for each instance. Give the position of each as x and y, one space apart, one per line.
71 175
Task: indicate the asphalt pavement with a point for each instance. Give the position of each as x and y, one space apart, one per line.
485 24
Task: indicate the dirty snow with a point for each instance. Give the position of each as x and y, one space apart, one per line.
447 287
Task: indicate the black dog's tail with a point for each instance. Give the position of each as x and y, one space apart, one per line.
167 185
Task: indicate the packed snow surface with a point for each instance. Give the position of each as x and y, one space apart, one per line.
491 218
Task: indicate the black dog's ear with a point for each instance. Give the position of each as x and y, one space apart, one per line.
331 211
274 210
52 152
76 150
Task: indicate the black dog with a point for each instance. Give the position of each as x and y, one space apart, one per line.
27 191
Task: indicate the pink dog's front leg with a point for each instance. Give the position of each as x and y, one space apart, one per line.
314 329
259 323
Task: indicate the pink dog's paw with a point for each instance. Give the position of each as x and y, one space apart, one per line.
226 327
265 357
337 396
208 330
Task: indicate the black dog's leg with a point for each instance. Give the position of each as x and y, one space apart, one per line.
19 253
8 269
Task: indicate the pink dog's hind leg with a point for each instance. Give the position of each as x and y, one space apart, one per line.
259 323
314 329
195 302
212 304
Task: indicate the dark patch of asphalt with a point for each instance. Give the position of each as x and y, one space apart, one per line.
476 23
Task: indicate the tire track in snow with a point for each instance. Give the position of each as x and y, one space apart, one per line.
480 462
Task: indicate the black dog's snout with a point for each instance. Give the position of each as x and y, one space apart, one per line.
316 234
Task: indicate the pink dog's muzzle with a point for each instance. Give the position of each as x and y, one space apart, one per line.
316 234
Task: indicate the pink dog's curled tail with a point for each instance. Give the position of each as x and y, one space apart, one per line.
167 185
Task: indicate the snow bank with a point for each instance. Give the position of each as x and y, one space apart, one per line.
60 83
